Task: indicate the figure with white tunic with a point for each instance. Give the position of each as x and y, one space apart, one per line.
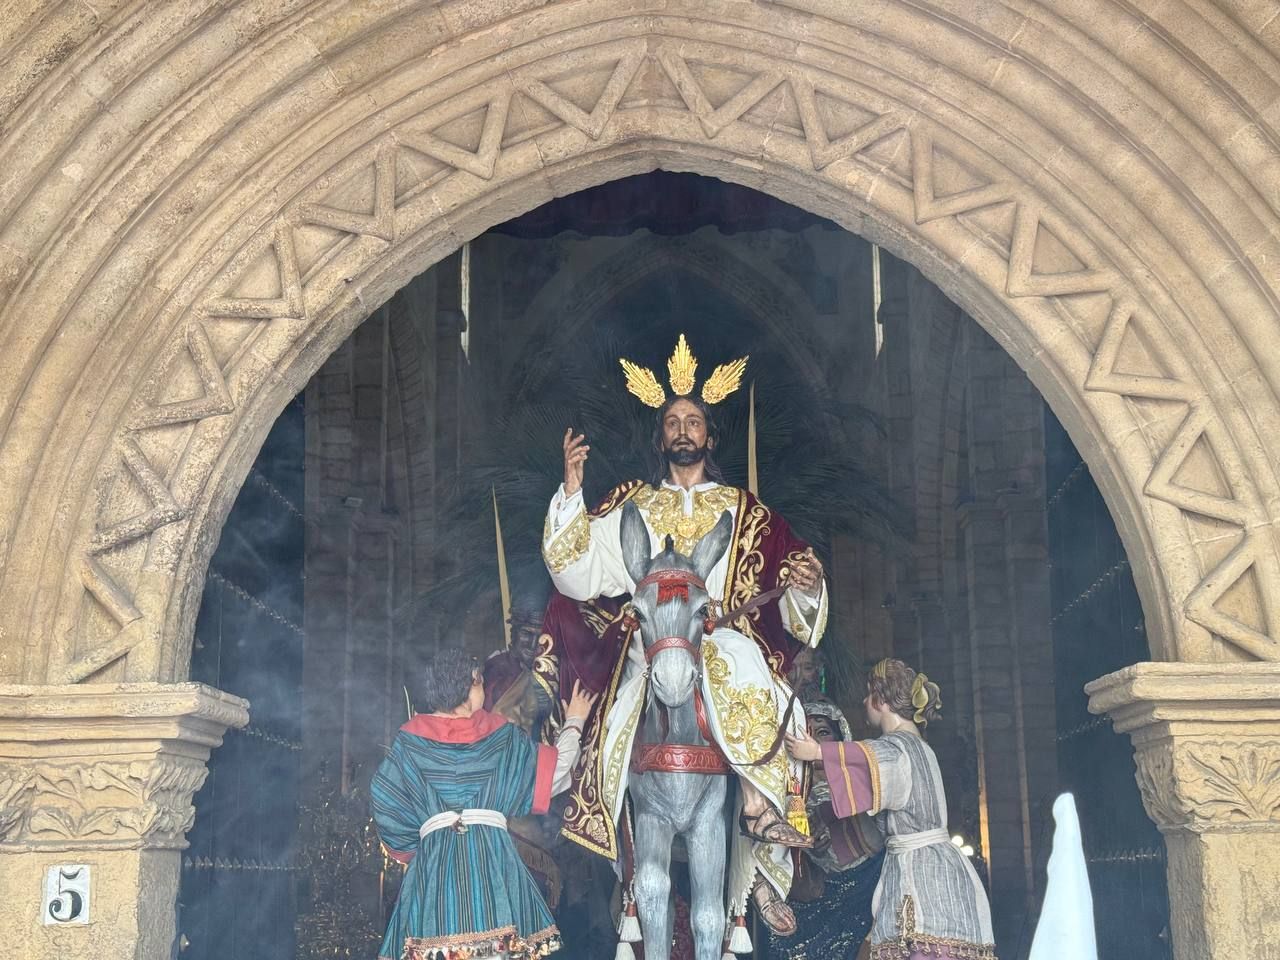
441 801
769 601
930 902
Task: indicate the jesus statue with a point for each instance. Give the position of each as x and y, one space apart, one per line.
745 660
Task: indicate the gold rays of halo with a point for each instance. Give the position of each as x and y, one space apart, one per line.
642 383
726 379
681 369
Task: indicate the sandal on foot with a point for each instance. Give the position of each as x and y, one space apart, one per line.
774 911
769 827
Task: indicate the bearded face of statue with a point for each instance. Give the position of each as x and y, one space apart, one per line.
806 670
685 434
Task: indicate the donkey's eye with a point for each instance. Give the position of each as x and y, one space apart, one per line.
638 615
704 611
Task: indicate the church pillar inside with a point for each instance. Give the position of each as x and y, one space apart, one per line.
1207 746
1004 537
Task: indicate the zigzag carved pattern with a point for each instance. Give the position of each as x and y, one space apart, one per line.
483 162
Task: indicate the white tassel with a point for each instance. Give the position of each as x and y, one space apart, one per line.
629 929
740 940
624 951
727 956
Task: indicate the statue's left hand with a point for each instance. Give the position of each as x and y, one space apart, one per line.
806 575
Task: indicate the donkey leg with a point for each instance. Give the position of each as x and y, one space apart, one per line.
653 883
707 841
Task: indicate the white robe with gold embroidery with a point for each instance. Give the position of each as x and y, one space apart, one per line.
746 702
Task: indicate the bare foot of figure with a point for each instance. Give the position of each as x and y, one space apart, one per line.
768 826
773 909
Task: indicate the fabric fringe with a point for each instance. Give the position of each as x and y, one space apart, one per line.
624 951
933 947
465 946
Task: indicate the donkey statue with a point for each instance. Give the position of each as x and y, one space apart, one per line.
679 783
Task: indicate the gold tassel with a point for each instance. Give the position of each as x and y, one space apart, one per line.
797 816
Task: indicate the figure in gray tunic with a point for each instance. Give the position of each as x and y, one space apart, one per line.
930 902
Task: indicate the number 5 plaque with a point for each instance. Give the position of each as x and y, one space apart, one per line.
66 895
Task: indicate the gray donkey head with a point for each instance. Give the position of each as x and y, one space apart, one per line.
671 601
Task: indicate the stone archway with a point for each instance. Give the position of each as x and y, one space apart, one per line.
200 201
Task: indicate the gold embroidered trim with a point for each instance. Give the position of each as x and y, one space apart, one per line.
848 783
746 566
616 497
873 767
584 820
933 946
909 942
664 509
484 944
569 544
748 718
617 762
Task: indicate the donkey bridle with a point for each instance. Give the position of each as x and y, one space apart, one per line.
692 758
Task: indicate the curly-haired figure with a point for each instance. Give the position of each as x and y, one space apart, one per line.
441 800
930 902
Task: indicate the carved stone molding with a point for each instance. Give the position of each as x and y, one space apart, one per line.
334 188
106 767
1211 784
1206 741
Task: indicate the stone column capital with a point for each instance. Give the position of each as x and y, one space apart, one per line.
106 766
1206 741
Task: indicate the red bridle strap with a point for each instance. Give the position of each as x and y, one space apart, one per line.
672 584
671 643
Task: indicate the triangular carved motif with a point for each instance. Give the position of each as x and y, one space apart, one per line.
382 222
822 151
290 303
217 397
593 123
103 588
1202 603
1103 378
132 631
714 119
164 509
1025 282
480 162
931 206
1161 485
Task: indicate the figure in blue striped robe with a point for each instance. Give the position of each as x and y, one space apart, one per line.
441 799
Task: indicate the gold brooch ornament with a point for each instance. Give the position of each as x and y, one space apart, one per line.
681 370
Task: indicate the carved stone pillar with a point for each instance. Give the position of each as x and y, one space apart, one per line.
1206 740
102 775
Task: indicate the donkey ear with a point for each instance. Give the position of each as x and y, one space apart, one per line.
710 548
635 542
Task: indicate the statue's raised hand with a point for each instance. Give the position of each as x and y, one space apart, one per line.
575 455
